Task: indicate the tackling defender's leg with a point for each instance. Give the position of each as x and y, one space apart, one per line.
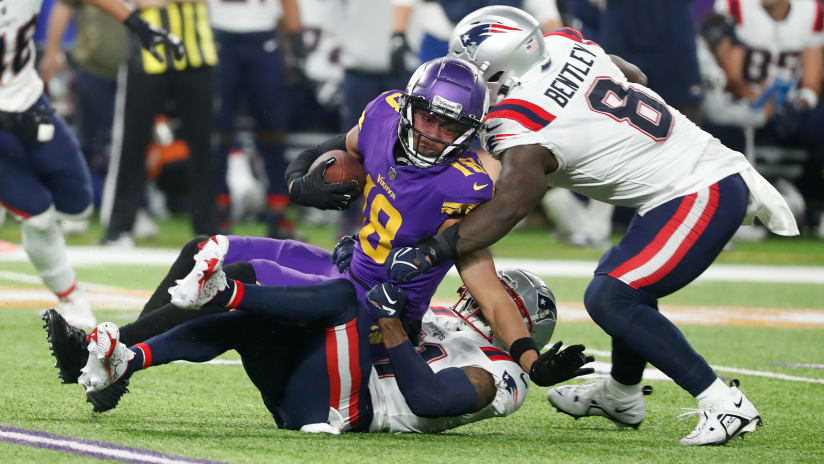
662 252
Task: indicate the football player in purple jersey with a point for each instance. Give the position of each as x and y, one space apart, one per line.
421 178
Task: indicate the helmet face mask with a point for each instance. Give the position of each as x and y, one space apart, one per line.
504 42
533 298
442 111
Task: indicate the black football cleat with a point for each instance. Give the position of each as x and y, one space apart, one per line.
67 344
107 398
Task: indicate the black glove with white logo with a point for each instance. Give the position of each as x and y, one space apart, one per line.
151 36
553 367
405 263
399 53
385 300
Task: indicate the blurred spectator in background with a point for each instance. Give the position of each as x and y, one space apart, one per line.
585 16
260 49
316 104
98 51
145 86
775 63
659 38
437 19
364 31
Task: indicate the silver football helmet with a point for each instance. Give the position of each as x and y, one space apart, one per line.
533 298
504 42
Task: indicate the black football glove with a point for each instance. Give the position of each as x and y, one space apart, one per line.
385 300
405 263
343 252
399 50
295 58
151 36
553 367
310 190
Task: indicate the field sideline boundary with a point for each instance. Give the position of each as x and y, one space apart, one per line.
91 449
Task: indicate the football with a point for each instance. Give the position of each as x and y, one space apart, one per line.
347 167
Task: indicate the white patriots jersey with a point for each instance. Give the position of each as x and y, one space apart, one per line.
773 48
615 141
244 15
20 86
443 347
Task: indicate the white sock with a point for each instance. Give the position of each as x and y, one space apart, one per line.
46 248
716 391
619 391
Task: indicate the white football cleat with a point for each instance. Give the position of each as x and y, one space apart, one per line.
108 358
592 399
77 311
730 417
216 247
205 279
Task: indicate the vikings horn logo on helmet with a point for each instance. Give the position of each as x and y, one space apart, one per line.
478 33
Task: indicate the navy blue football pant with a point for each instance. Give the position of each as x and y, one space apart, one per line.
252 70
662 252
95 96
306 356
35 175
659 38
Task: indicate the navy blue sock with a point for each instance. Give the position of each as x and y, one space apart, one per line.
641 332
198 340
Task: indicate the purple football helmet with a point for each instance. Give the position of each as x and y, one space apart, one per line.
447 93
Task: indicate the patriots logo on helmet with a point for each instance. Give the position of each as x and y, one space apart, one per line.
472 38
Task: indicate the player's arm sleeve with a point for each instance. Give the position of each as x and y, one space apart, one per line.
428 394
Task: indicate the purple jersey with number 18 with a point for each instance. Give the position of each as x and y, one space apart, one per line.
405 204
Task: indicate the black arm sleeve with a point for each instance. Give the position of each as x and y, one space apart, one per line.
301 163
445 394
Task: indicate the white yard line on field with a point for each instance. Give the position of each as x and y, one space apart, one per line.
98 256
109 297
603 369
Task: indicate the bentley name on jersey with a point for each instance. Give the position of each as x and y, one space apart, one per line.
20 86
442 348
615 141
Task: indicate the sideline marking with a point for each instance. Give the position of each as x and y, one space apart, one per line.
602 369
96 256
92 449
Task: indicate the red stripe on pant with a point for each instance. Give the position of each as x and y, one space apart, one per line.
332 367
659 241
692 237
348 404
354 370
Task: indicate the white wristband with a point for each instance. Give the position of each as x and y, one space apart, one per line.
808 96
